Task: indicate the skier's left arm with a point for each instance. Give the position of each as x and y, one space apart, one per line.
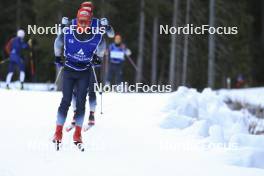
127 51
99 53
108 28
26 45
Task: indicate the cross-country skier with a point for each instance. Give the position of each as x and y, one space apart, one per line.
16 47
92 95
81 50
117 53
91 92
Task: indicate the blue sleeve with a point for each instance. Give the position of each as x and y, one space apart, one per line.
24 45
58 45
110 47
15 44
101 49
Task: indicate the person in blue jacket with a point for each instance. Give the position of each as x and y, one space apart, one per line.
81 51
17 45
117 53
58 46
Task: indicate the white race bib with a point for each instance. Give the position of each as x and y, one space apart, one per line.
117 55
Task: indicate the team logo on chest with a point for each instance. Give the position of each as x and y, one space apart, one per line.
80 52
80 55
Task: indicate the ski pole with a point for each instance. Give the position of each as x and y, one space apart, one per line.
133 63
135 66
58 76
100 91
4 61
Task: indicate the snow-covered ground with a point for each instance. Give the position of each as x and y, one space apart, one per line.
254 96
29 86
181 133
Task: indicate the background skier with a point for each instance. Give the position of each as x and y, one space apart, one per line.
117 54
17 44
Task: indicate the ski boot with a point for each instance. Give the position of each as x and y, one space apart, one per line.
91 122
58 137
77 138
22 86
91 119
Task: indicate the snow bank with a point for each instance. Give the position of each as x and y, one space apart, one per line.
206 115
246 140
179 121
246 157
254 96
188 107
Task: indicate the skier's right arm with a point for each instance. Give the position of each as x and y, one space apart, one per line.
58 45
59 42
58 49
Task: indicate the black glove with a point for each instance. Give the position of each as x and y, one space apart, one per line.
108 28
96 60
58 61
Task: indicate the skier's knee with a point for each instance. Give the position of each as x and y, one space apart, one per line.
80 111
64 106
80 108
92 96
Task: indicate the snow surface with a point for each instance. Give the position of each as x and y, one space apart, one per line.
181 133
29 86
254 96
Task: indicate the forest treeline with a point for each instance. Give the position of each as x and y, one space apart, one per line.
160 59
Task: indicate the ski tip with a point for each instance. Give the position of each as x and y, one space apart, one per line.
79 146
68 129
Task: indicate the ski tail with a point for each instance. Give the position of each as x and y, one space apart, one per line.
88 127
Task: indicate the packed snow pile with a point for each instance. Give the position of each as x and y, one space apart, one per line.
251 102
253 96
207 116
189 107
